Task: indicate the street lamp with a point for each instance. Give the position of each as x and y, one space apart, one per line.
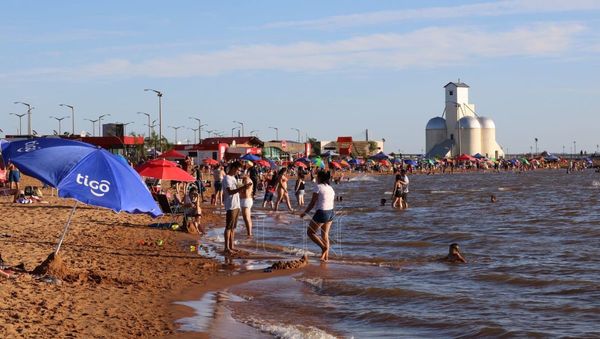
276 132
159 94
20 116
200 124
254 131
72 117
194 129
297 130
233 129
59 123
176 128
536 148
100 123
125 125
242 124
93 126
29 108
574 149
148 115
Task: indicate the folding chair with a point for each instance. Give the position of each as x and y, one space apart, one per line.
166 208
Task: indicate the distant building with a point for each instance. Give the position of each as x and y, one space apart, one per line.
345 146
462 131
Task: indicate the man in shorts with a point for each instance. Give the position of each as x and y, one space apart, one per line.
231 201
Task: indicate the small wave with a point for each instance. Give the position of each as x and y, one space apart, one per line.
596 184
517 281
363 178
442 192
314 282
287 330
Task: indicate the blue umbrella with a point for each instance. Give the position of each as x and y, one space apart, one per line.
272 163
410 162
379 156
250 157
83 172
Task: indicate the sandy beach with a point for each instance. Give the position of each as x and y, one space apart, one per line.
119 282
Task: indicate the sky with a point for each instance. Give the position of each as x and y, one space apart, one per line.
328 68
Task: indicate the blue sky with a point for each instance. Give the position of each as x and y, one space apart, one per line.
329 68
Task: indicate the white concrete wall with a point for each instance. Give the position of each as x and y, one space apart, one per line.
470 140
433 137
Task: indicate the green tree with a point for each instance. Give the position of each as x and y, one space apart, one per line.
315 146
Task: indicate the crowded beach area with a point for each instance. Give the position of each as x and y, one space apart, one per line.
121 274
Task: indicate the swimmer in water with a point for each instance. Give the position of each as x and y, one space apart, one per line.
454 255
493 198
383 201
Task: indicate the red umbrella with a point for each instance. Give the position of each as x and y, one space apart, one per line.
172 154
465 157
209 161
164 170
335 164
263 163
300 164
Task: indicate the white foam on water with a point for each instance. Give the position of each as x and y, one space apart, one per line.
596 184
205 309
441 192
289 331
297 251
363 178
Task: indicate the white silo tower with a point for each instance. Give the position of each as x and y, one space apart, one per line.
435 132
469 135
488 136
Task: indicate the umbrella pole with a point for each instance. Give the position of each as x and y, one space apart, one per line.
66 228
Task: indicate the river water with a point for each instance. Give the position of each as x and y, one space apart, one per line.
533 261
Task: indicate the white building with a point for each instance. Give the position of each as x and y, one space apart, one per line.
462 131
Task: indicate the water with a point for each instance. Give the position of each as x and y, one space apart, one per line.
534 261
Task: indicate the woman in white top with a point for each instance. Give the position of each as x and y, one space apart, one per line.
323 197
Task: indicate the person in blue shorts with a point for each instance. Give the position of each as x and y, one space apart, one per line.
323 198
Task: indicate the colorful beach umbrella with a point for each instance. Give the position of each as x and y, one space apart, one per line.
335 164
173 154
210 161
164 170
250 157
83 172
379 156
300 164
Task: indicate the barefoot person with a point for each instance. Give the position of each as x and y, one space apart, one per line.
246 202
282 190
231 200
323 197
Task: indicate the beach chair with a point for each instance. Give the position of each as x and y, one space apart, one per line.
174 211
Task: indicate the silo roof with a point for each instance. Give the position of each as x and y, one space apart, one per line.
457 84
436 123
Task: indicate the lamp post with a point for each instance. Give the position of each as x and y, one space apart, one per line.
100 123
574 149
563 150
233 129
276 132
93 126
59 123
254 131
200 125
125 125
176 128
29 108
194 129
242 124
148 115
536 148
20 116
159 94
72 117
297 130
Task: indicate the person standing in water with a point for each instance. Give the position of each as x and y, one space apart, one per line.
299 189
323 198
282 190
404 196
246 201
231 200
454 255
